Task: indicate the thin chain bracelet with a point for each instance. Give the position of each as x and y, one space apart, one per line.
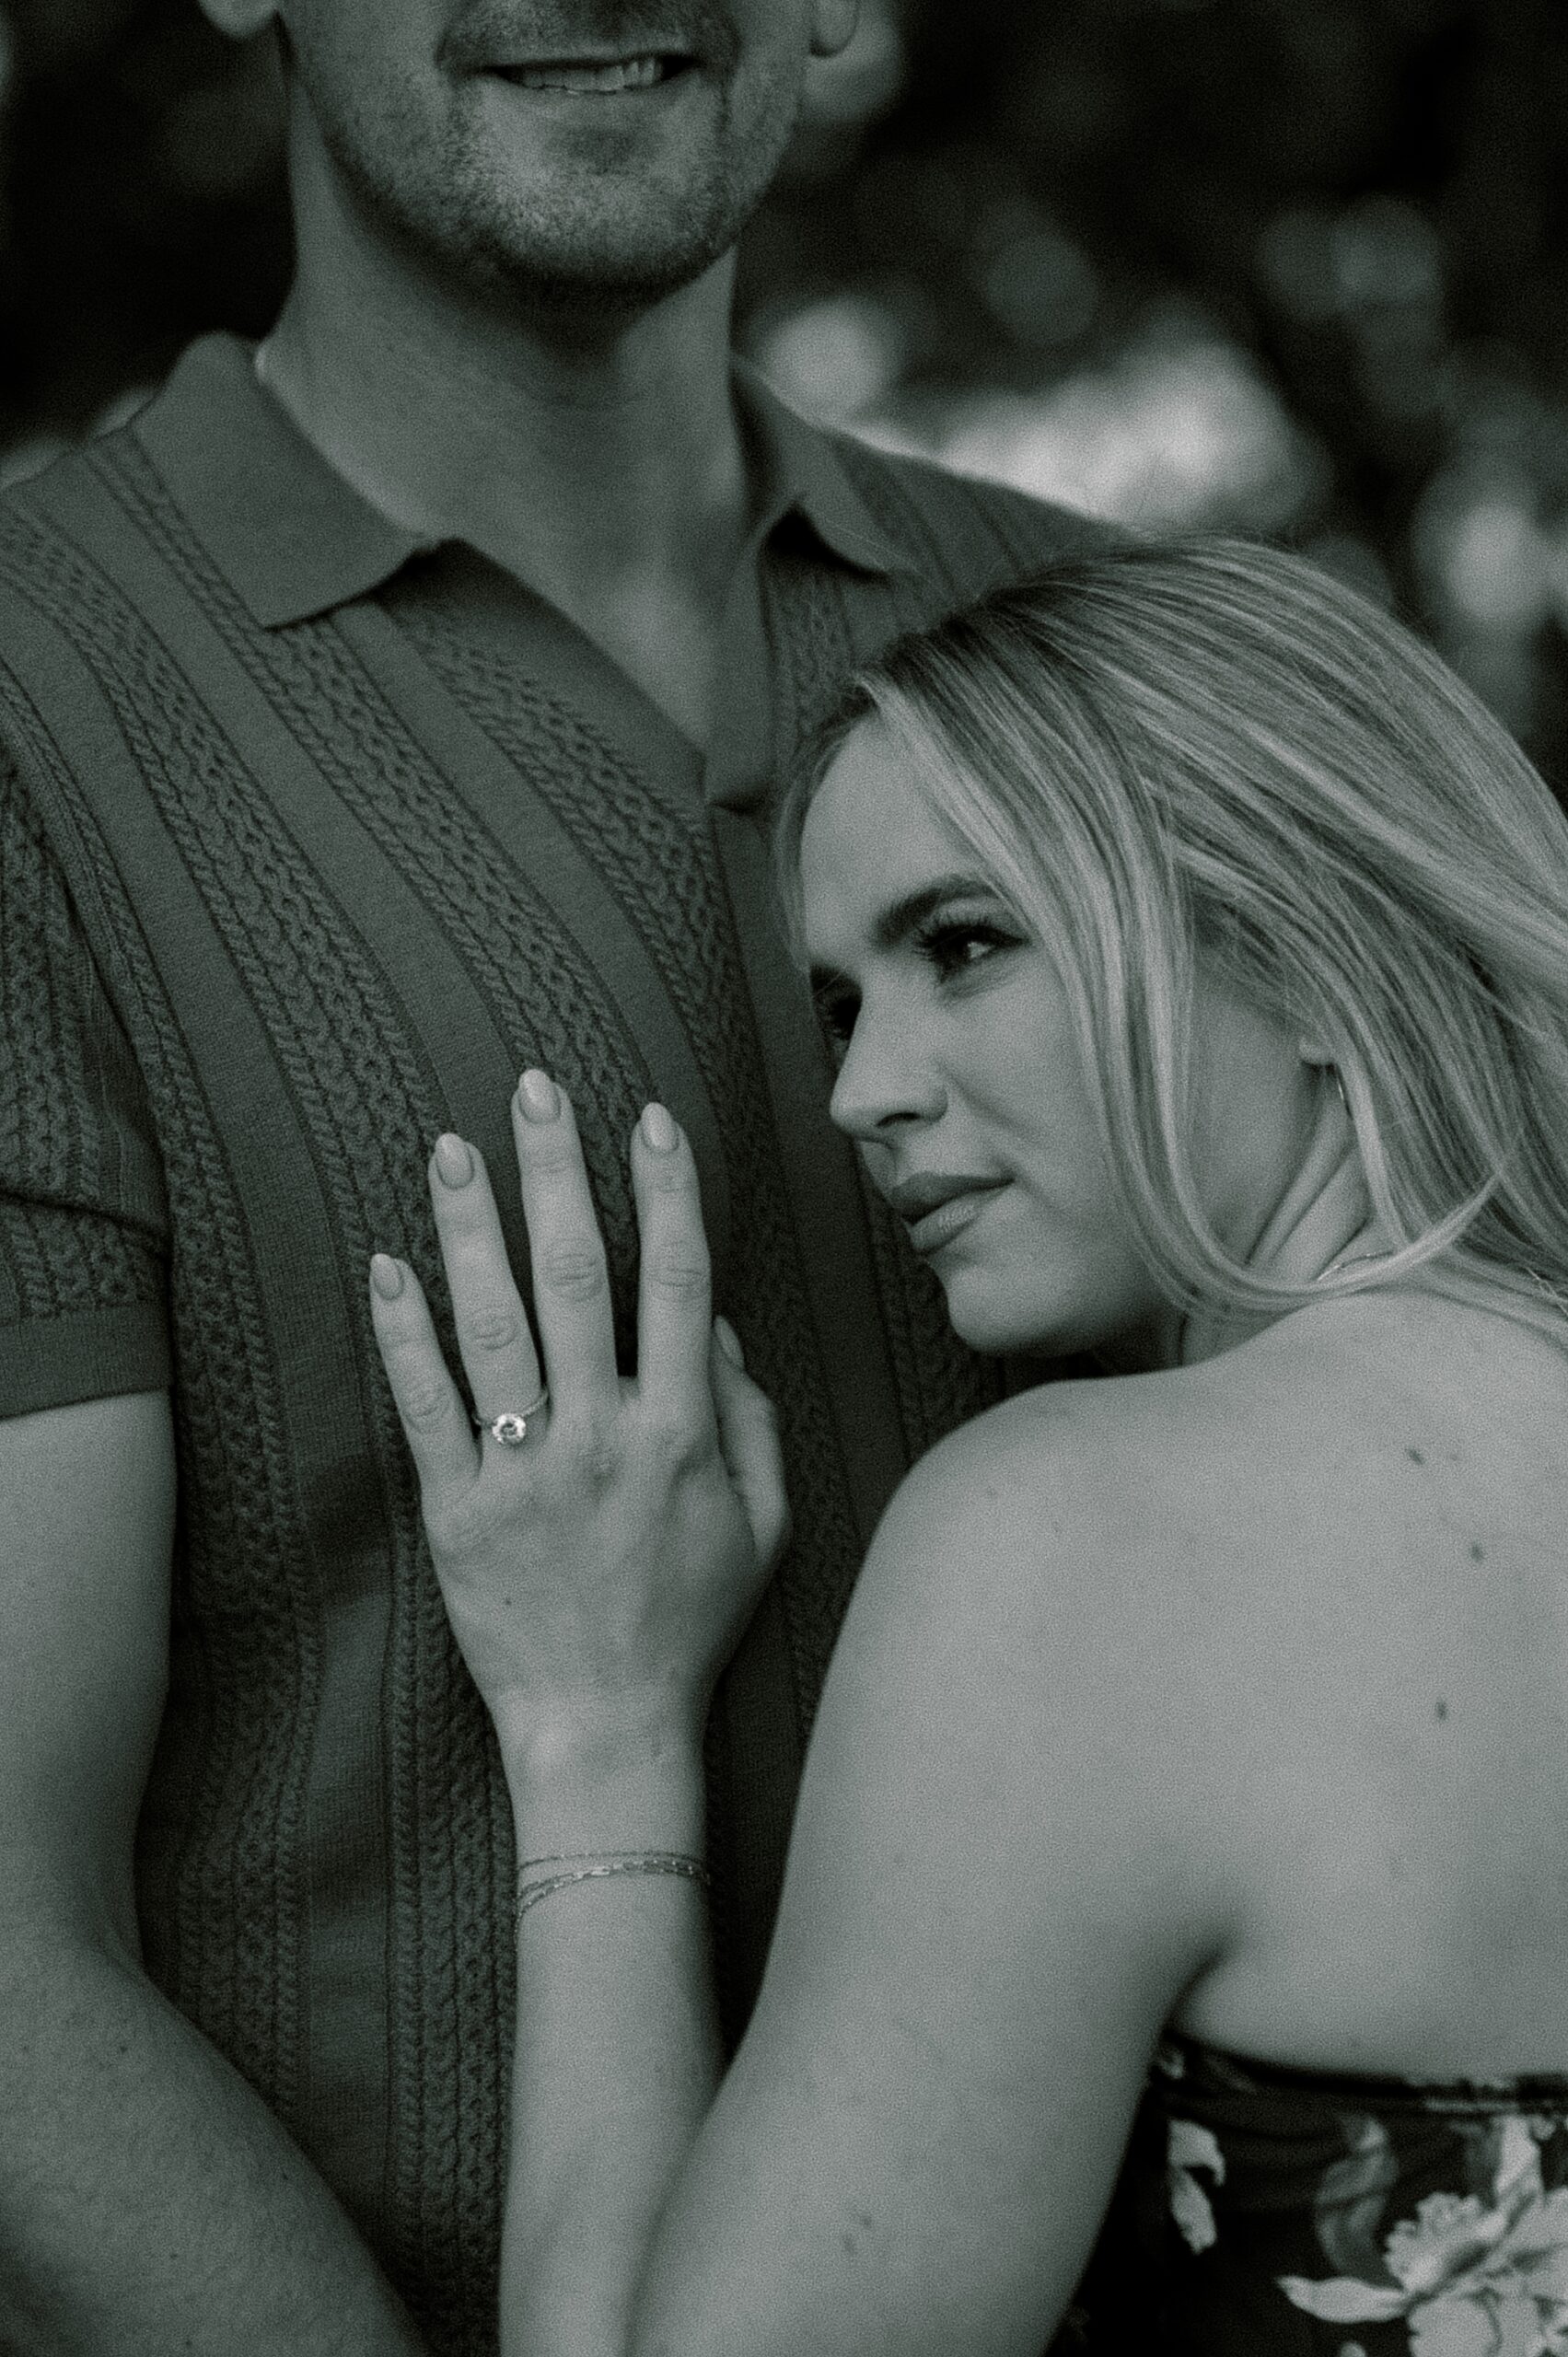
604 1865
590 1857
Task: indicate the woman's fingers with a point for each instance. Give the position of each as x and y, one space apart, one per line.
674 1286
749 1439
572 1300
429 1404
494 1340
570 1277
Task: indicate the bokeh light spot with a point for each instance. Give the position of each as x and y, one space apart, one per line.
1176 430
836 358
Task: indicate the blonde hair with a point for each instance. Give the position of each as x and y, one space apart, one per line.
1213 756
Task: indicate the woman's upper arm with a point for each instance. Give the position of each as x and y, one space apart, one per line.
87 1519
991 1908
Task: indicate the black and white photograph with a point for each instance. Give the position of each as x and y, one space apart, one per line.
783 1178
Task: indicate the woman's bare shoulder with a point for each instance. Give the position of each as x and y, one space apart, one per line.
1031 1656
1042 1549
1138 1512
1107 1461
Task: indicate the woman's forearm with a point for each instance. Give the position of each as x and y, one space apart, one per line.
596 1583
617 2054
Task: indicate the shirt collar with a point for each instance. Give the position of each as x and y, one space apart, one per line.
803 472
294 538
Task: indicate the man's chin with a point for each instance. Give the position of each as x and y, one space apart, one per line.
584 214
624 254
603 284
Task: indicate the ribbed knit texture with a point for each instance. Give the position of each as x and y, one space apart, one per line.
60 1251
243 1644
124 1184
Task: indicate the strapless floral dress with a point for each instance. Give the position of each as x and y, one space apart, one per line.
1274 2212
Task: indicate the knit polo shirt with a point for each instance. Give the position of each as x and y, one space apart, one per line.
310 838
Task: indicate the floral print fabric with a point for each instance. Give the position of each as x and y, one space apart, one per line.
1265 2209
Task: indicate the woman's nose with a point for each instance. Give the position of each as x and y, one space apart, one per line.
885 1080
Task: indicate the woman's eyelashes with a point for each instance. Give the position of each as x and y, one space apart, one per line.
837 1005
953 946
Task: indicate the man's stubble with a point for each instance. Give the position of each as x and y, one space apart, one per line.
427 163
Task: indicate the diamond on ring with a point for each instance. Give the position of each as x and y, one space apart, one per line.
511 1428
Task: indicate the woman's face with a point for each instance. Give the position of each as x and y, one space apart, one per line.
960 1080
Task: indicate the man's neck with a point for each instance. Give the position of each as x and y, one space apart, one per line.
598 459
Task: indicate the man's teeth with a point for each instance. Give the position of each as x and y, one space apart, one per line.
634 73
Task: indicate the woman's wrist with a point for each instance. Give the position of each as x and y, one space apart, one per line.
620 1777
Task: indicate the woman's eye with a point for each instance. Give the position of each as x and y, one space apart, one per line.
957 948
836 1011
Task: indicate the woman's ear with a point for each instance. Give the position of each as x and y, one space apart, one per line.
240 19
833 26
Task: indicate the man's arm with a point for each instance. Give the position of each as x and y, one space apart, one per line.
148 2199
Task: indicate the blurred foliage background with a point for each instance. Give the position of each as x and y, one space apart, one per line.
1296 266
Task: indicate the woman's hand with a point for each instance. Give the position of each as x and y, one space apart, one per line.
599 1573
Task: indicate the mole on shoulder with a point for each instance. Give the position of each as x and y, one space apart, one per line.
1415 1456
861 2224
1442 1708
1477 1552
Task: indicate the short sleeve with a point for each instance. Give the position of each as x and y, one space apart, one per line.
83 1227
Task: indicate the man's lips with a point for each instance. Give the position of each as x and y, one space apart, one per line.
594 77
935 1205
556 37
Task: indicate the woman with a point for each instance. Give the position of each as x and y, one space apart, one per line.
1197 951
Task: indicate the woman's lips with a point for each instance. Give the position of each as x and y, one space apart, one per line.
939 1225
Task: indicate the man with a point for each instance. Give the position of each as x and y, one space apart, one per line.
382 712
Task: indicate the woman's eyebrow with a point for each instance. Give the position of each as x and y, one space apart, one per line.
905 916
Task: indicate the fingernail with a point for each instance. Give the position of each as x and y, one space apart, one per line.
658 1129
539 1096
730 1342
454 1163
386 1275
